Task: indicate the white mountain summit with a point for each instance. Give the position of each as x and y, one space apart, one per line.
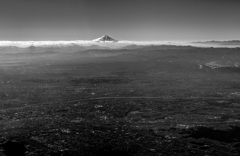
105 38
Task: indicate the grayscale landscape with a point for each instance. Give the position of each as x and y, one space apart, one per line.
150 100
119 78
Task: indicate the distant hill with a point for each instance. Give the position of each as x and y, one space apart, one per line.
155 47
47 49
213 42
132 46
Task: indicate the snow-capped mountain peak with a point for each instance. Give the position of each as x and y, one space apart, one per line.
105 38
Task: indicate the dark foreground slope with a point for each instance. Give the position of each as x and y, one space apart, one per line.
131 102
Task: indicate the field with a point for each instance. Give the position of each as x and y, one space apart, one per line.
162 100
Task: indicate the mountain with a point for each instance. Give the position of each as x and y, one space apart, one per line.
105 38
12 49
155 47
132 47
52 48
95 47
220 43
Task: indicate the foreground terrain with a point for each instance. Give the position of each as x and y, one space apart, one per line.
149 101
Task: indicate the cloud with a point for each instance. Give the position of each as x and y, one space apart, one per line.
119 44
24 44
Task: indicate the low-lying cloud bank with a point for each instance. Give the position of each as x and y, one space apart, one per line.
25 44
72 46
81 45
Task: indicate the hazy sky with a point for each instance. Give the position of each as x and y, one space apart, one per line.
121 19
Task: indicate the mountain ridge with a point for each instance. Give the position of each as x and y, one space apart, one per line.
229 42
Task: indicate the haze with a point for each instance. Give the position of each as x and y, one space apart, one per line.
142 20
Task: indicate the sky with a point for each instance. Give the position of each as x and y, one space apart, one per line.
139 20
